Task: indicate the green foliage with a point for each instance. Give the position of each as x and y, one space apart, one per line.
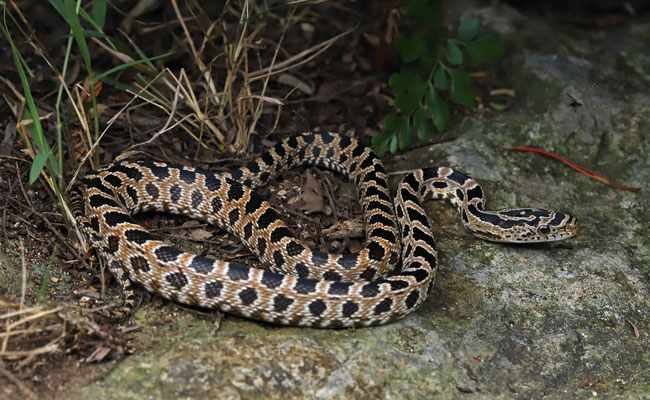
44 155
420 92
46 276
71 11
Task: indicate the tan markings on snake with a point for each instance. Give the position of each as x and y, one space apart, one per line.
300 286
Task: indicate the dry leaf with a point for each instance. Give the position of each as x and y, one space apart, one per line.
352 228
636 330
355 246
296 202
199 234
190 223
99 354
291 80
86 96
312 195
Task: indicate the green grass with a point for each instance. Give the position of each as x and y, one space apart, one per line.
47 159
46 276
45 155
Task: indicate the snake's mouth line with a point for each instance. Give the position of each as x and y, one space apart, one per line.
303 287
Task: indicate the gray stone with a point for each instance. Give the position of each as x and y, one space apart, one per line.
543 321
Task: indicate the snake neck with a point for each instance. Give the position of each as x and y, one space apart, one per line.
516 225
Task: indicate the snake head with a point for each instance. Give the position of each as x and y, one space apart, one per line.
528 225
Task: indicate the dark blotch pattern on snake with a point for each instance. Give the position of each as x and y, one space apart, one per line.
300 286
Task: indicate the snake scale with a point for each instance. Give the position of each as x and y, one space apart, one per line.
299 286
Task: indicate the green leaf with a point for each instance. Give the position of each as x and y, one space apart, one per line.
440 78
39 137
99 12
438 109
399 81
407 102
46 276
425 12
454 53
485 48
36 129
380 141
127 88
37 166
475 54
462 90
497 106
420 123
144 57
77 32
405 134
408 88
410 48
129 64
392 123
426 64
95 34
393 144
59 7
467 29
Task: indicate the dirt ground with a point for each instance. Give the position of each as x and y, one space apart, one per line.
343 89
336 80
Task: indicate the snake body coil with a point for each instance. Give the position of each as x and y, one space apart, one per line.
300 286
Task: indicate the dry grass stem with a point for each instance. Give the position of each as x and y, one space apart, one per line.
20 384
258 110
227 114
192 102
205 72
46 329
166 127
108 126
298 58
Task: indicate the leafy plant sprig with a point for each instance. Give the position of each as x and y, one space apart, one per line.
419 91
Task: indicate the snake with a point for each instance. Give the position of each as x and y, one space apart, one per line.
293 284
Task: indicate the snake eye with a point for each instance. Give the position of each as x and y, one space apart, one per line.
544 230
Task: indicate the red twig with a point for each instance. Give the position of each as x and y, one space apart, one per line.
582 170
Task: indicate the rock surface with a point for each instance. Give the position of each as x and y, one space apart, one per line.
553 320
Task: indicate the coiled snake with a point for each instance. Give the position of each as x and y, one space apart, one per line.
300 286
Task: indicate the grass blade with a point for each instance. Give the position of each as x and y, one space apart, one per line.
99 12
38 134
46 276
37 166
77 31
129 64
